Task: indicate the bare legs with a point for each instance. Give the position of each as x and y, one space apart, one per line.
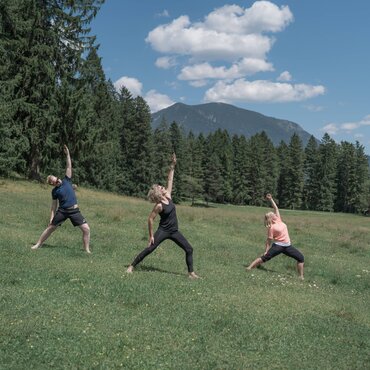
255 263
258 261
51 228
300 268
47 232
86 237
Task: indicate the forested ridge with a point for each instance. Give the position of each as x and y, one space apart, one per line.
53 91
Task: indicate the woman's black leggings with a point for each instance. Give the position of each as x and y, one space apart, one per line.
161 235
290 251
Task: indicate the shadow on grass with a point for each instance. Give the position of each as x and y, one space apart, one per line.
155 269
69 251
262 268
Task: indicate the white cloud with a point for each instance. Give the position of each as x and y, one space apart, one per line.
285 77
347 127
262 16
247 66
261 91
165 62
157 101
132 84
228 33
180 37
331 129
198 83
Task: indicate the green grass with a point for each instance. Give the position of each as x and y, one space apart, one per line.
61 308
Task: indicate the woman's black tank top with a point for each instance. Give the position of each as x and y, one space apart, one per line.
168 216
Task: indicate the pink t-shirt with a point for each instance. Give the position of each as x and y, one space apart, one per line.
278 232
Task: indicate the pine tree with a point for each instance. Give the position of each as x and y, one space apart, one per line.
326 171
46 41
311 180
241 166
193 183
263 171
283 182
295 173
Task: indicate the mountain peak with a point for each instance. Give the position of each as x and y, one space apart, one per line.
208 117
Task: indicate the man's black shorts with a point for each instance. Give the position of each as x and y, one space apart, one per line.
74 215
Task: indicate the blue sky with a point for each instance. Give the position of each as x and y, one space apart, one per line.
306 61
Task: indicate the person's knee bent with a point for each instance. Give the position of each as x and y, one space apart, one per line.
265 258
189 250
52 228
85 228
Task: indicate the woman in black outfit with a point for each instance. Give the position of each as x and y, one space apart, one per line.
168 226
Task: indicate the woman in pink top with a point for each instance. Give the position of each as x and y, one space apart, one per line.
278 240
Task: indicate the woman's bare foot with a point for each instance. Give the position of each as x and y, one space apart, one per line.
193 275
36 246
130 269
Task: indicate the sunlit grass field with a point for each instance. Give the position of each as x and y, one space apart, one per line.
63 309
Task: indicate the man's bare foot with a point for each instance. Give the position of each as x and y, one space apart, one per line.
88 251
130 269
193 275
36 246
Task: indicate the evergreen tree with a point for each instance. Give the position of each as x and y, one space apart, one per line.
326 171
193 182
241 166
283 168
46 41
263 171
295 173
311 181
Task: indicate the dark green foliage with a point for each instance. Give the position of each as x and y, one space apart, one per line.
263 171
310 178
326 172
242 166
294 174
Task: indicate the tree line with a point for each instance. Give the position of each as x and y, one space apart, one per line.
53 91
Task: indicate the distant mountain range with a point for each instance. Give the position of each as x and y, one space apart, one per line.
206 118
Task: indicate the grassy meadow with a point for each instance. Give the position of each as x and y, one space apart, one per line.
63 309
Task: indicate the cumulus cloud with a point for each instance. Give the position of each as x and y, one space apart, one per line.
132 84
247 66
230 34
347 127
331 129
157 101
261 91
262 16
154 99
165 62
285 77
228 45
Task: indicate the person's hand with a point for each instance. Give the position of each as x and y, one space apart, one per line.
66 150
151 241
268 196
